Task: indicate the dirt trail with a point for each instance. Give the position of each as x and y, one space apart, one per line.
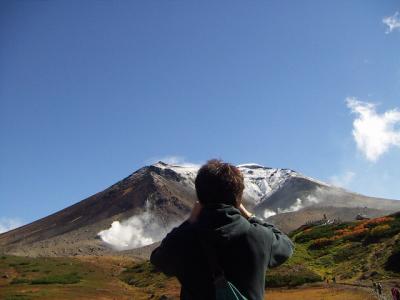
337 292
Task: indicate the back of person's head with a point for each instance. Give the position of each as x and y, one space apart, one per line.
219 182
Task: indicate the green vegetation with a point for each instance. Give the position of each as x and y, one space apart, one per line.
17 297
47 278
310 233
143 275
69 278
42 270
393 261
19 281
349 251
290 276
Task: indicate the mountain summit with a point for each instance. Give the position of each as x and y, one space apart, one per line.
140 209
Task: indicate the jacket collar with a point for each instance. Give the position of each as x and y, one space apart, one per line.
221 222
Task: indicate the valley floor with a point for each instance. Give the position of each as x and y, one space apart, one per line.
102 278
323 292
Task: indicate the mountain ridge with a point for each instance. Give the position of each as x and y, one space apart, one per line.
166 193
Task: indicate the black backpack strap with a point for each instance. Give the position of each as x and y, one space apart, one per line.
212 260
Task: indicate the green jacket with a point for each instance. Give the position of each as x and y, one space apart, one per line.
245 250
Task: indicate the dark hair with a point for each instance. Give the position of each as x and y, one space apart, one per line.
219 182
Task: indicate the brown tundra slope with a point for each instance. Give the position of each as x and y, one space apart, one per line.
167 193
73 230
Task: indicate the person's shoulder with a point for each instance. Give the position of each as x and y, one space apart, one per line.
259 227
184 231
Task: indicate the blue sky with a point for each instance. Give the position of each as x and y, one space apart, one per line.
90 91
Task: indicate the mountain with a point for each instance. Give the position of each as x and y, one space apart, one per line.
144 206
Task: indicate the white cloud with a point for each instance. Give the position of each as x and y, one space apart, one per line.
343 180
7 224
392 22
374 133
173 160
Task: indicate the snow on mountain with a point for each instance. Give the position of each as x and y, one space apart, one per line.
260 181
186 172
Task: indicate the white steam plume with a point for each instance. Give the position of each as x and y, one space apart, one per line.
269 213
343 180
137 231
294 207
297 205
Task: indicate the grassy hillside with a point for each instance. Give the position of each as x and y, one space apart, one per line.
74 278
367 249
350 252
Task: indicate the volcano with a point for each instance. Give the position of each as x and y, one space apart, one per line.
131 216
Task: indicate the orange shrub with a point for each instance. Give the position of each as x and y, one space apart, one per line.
378 220
358 230
362 227
322 242
341 232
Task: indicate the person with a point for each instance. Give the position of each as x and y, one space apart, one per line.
395 293
375 286
245 246
379 286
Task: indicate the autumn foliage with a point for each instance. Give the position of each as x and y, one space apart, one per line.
373 227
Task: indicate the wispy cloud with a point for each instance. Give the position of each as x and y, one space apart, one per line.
172 160
392 22
7 224
343 180
374 133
